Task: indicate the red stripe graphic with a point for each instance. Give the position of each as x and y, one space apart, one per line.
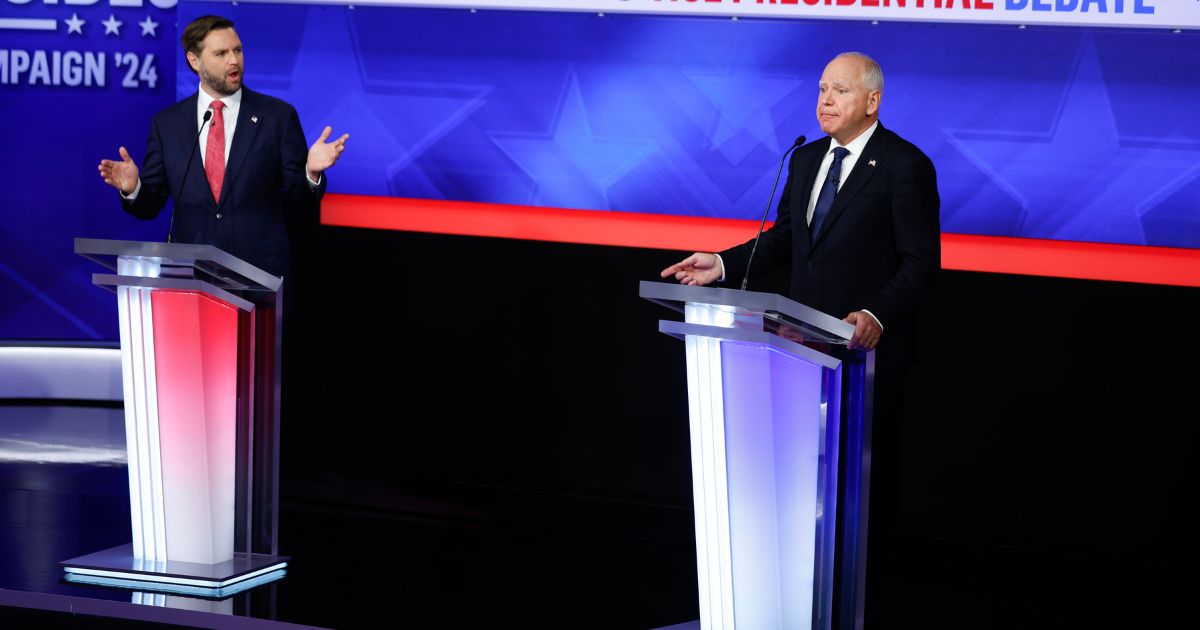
963 252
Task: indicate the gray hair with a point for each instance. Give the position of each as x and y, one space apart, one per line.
872 76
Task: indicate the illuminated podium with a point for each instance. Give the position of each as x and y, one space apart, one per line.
200 367
780 442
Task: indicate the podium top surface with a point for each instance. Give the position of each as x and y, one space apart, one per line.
184 260
809 322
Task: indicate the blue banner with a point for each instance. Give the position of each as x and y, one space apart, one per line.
1118 13
1061 134
77 81
1080 134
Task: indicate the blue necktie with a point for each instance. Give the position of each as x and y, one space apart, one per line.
828 191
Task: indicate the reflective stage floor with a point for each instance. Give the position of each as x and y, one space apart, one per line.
429 562
444 556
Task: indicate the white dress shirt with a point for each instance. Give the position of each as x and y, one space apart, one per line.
233 104
855 148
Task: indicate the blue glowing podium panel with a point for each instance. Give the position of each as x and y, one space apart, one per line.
779 415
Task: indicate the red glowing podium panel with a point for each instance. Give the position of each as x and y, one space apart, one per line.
200 373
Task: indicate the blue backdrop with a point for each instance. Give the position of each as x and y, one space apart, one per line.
55 128
1064 133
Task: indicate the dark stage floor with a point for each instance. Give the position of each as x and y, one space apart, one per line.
439 559
453 556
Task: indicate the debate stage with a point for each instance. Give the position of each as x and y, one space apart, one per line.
450 556
1044 481
456 556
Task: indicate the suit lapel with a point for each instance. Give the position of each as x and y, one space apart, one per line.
864 169
195 183
243 139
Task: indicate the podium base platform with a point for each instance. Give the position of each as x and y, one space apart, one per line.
116 567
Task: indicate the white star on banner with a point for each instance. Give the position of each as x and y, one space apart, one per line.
112 26
148 27
74 25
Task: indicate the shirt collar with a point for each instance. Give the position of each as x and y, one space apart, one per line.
856 146
205 101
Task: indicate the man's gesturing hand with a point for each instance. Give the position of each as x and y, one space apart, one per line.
697 269
323 154
121 175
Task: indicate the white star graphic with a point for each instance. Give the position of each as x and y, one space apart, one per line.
148 27
112 26
74 25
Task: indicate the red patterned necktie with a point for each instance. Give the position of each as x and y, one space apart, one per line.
214 152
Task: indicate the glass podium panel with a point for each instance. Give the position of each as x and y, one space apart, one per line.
779 420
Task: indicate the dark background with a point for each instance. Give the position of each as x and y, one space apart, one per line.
500 421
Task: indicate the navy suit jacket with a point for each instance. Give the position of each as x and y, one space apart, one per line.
879 248
265 181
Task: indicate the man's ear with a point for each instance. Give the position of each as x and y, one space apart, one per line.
873 102
193 61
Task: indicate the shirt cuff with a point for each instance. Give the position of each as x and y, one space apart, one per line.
874 318
311 183
720 263
133 195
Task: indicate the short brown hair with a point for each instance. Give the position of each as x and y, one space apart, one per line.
197 30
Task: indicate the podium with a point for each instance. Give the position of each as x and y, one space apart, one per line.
200 347
780 424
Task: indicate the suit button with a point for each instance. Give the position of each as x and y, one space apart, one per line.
221 216
809 262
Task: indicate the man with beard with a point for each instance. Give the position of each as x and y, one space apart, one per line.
254 173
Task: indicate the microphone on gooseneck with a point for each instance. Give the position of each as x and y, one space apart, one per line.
795 145
191 155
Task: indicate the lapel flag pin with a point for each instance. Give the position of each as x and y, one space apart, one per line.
871 163
254 119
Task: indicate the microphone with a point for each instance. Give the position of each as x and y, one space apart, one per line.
191 156
795 145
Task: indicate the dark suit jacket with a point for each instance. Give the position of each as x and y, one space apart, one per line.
879 248
264 180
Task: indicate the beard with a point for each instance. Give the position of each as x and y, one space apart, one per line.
219 84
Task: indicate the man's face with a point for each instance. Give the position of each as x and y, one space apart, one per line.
844 107
219 63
